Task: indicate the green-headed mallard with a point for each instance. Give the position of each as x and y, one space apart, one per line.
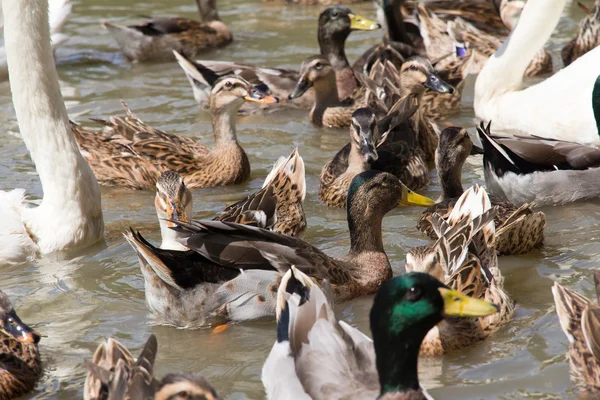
323 358
518 229
334 26
155 39
21 362
469 225
580 321
114 374
231 271
129 153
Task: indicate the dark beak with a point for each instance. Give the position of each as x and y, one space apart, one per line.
14 327
435 83
301 87
368 151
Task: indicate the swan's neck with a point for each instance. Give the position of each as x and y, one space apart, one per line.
503 72
71 191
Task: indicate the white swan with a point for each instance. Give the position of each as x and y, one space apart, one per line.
560 106
59 13
70 214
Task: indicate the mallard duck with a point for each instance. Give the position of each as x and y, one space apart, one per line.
315 2
113 374
132 154
588 35
529 169
369 150
470 224
323 358
155 39
277 206
580 321
335 24
21 362
231 271
522 236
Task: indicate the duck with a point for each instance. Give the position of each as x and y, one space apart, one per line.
588 35
114 374
579 320
500 97
71 192
230 271
539 171
522 236
368 149
323 357
315 2
334 26
156 38
277 207
60 10
131 154
21 363
469 225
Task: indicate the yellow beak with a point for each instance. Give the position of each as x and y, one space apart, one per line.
358 23
410 198
457 304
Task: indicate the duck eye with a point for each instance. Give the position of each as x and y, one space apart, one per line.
318 65
228 84
413 294
335 14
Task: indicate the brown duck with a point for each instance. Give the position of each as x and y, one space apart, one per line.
129 153
21 363
155 39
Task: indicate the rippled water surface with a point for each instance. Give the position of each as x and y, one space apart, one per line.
99 293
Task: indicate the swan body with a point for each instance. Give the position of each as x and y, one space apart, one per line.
59 13
558 107
70 213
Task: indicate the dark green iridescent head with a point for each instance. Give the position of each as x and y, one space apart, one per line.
596 102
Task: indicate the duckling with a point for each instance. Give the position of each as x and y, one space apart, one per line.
334 26
588 35
519 229
21 362
113 374
132 154
323 358
231 271
470 224
580 321
366 151
156 39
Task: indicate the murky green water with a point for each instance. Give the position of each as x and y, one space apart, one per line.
99 293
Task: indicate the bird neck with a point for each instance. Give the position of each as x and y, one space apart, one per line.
223 122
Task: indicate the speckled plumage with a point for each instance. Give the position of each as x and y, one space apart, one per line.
588 36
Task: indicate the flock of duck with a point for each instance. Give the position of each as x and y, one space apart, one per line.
249 262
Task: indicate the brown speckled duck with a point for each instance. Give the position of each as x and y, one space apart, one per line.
131 154
580 321
231 271
114 374
476 274
588 35
155 39
21 366
518 229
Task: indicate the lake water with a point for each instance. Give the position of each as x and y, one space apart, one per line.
98 293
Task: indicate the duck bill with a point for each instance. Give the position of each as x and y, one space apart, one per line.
410 198
175 212
257 96
435 83
457 304
12 326
369 152
358 23
301 87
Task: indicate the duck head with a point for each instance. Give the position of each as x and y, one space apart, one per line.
231 91
317 72
417 74
173 200
362 135
11 325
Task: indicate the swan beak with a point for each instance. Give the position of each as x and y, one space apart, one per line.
435 83
358 23
410 198
175 212
11 325
459 305
301 87
257 96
